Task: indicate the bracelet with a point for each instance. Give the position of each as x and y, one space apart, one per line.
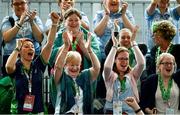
134 45
18 25
138 110
17 49
54 24
116 47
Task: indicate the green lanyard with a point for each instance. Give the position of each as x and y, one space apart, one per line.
75 88
168 50
165 93
74 44
123 83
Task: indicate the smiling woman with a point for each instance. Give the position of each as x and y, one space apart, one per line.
161 91
23 23
28 76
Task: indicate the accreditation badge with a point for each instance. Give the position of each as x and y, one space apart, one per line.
169 111
29 103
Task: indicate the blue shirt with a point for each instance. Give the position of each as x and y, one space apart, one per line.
121 96
110 25
24 32
21 79
170 14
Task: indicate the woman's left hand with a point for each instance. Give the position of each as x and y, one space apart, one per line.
134 33
88 42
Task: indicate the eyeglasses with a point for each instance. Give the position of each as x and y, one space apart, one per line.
167 63
19 3
123 59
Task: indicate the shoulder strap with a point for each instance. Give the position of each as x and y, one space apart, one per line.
11 20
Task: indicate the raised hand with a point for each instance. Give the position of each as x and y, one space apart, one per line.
19 43
124 7
88 43
31 14
106 10
134 32
66 39
114 40
55 17
80 38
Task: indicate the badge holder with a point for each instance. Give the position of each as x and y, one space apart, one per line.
117 107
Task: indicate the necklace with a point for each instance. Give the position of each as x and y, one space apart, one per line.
74 43
123 83
168 50
165 93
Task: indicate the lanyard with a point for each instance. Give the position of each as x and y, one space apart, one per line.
29 78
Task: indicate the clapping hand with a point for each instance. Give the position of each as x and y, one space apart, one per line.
66 39
88 43
134 32
114 40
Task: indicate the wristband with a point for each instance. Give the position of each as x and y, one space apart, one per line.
134 45
116 47
17 24
138 110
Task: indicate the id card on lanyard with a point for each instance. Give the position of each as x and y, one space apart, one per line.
169 110
29 99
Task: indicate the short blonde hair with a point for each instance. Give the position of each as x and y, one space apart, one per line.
161 57
73 56
125 30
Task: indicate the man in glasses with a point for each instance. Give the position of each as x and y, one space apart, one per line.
21 24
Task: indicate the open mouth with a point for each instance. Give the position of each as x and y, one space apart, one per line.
30 54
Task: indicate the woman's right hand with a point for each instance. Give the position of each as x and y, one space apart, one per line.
114 40
66 39
55 17
19 43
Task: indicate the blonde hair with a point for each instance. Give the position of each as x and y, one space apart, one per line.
161 57
73 56
125 30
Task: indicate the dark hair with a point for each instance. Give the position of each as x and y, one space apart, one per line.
166 28
70 12
119 50
13 0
